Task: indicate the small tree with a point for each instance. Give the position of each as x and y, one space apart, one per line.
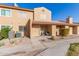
64 31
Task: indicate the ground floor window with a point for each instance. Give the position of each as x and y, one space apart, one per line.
4 26
22 28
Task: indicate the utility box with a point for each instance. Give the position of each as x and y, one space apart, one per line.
11 34
18 34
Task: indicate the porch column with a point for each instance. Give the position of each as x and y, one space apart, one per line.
70 30
77 30
30 28
53 30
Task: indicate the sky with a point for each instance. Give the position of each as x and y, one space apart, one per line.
60 11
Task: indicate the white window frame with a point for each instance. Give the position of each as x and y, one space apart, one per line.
10 26
0 11
6 15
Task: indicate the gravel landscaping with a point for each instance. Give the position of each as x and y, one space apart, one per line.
22 47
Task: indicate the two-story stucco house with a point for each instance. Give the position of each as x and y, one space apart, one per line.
35 22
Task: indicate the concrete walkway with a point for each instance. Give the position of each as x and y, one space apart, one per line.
60 49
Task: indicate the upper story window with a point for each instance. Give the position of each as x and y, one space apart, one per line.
5 12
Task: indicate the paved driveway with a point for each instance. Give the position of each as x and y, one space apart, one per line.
60 49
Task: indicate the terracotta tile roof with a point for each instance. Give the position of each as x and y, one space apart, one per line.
16 8
53 23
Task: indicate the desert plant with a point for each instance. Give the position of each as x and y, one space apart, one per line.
73 49
1 36
64 32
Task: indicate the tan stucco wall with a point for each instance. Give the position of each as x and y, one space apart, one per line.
66 26
16 19
42 14
77 29
53 30
70 30
35 31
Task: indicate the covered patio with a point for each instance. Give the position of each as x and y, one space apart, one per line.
73 28
51 28
42 28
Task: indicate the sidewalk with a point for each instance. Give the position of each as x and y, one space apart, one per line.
60 49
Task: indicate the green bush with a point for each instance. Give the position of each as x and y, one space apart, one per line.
1 36
4 33
64 32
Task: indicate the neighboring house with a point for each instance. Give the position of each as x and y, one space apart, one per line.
35 22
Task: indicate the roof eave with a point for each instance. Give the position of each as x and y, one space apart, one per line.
16 8
53 23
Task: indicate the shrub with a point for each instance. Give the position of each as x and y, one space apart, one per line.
73 49
1 36
4 33
64 32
